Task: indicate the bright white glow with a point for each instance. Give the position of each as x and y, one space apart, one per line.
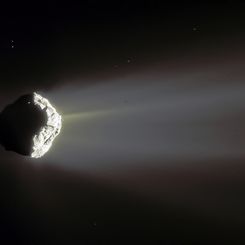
43 141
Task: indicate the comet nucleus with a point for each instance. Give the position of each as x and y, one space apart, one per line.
29 125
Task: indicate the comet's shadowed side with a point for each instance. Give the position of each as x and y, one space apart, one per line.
19 122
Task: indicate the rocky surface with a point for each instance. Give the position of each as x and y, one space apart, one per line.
29 125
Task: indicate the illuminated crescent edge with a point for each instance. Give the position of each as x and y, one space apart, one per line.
43 140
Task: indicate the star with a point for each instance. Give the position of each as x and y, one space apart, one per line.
195 28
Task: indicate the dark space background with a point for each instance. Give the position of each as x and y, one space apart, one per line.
152 148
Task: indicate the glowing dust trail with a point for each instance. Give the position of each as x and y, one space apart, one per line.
86 115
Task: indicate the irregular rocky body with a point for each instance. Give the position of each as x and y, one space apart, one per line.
29 125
